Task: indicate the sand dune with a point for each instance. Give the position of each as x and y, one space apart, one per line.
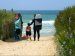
45 47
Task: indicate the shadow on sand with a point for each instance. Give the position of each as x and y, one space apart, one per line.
13 40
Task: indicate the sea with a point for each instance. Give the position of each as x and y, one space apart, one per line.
48 17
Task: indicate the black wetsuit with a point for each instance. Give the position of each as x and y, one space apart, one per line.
37 27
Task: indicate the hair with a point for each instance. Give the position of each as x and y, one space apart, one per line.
28 24
19 14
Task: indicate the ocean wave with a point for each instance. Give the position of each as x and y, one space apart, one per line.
48 22
43 22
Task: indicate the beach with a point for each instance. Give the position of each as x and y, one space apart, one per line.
45 47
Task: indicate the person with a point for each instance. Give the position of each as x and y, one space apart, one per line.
18 26
28 31
21 22
37 21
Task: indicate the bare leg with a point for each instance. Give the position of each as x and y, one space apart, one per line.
30 37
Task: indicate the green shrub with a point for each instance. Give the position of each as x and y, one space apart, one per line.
65 31
6 24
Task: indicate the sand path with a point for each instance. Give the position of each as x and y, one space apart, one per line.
45 47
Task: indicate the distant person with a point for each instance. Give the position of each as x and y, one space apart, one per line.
18 26
37 21
28 31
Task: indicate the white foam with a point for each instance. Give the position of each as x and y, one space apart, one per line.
48 22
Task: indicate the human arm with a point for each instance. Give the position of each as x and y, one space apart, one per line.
32 22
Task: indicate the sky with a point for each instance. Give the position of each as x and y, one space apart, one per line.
36 4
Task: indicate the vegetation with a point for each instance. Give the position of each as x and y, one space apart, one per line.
6 24
65 31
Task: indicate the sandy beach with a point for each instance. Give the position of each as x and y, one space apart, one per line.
45 47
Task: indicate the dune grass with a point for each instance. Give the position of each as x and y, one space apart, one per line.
65 31
6 24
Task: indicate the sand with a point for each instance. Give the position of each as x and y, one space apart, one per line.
45 47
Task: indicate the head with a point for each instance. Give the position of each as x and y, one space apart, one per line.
16 16
38 16
19 14
28 24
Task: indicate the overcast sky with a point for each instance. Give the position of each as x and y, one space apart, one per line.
36 4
